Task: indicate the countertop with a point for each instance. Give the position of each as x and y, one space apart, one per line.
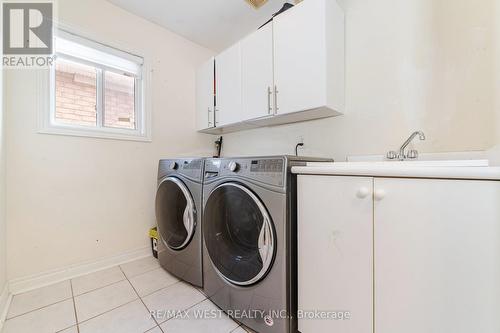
401 170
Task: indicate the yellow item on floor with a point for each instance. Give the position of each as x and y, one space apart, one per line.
153 234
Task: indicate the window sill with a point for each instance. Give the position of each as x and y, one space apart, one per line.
112 134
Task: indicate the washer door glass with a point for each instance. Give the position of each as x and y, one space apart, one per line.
238 234
175 213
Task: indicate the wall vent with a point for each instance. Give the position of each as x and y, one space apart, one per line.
256 3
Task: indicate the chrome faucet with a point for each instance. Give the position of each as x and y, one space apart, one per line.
403 155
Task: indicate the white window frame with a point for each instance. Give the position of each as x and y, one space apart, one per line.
142 109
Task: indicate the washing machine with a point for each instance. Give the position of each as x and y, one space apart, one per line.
249 229
178 215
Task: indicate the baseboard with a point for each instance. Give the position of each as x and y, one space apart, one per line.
5 298
28 283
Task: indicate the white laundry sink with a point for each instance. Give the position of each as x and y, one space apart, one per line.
442 169
407 163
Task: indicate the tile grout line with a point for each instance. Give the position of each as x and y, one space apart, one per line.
74 306
119 306
239 326
179 281
133 276
157 326
72 297
153 292
126 278
40 308
72 293
116 307
186 309
107 285
173 284
100 314
154 319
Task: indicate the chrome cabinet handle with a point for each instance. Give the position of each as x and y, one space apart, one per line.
269 107
210 123
276 108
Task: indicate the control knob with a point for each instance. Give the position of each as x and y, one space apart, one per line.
233 166
173 165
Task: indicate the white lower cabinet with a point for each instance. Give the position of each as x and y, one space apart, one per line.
437 256
403 255
335 266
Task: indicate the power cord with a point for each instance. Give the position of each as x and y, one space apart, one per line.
300 144
218 147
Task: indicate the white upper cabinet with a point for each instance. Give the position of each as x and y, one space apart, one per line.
228 91
205 96
290 70
257 73
309 57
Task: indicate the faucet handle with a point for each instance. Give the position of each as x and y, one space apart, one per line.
392 155
412 154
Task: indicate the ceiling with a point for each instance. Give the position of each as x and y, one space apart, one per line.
215 24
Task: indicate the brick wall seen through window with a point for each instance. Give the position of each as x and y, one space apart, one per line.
119 100
76 96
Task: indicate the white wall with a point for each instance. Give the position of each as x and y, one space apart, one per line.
495 152
3 238
73 199
413 64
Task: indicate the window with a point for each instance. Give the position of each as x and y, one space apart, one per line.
76 93
96 90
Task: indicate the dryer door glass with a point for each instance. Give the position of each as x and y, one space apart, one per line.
239 234
175 213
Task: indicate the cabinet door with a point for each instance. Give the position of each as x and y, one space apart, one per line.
335 233
257 73
228 92
205 95
300 57
437 256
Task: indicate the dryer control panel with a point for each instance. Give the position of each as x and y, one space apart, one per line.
190 168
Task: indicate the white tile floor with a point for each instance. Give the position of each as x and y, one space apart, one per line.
115 300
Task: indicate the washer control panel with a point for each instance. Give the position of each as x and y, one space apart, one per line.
267 166
233 166
266 170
